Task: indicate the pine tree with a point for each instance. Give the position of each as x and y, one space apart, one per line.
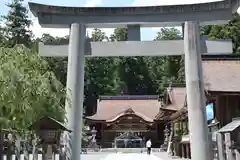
2 38
17 24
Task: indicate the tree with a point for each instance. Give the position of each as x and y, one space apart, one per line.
120 34
133 72
170 66
100 76
100 72
227 31
28 89
17 24
58 65
168 34
2 38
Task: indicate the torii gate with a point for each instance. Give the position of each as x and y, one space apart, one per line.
191 15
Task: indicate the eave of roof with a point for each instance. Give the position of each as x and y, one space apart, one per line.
124 113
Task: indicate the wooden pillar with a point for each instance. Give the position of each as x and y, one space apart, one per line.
220 147
181 126
228 109
101 135
183 151
157 132
187 126
178 126
236 104
217 108
187 151
173 129
228 144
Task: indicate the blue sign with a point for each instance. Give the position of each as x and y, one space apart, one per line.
209 111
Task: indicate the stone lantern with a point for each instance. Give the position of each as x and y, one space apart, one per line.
94 133
92 137
166 139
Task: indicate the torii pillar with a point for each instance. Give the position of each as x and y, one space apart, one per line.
75 89
198 130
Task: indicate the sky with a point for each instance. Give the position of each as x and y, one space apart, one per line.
146 33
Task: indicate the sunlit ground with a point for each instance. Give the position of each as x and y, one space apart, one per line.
130 156
126 156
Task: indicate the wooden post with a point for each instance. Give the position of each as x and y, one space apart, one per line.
187 127
220 147
187 151
183 150
228 144
237 154
181 126
170 138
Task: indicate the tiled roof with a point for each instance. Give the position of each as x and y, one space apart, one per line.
112 107
177 98
109 109
176 95
223 75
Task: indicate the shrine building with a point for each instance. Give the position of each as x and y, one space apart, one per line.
133 118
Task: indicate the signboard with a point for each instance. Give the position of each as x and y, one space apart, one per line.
210 111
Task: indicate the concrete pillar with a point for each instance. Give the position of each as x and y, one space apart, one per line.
69 86
195 93
68 108
75 89
134 33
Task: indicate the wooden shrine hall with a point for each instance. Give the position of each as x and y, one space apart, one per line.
150 116
222 90
132 118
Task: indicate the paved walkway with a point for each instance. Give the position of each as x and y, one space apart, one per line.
127 156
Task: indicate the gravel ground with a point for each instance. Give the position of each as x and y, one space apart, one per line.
127 156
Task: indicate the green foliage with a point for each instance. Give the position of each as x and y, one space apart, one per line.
100 72
168 34
100 76
17 23
28 89
171 67
120 34
135 76
227 31
58 65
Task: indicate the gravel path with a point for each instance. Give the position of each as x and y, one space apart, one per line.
127 156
